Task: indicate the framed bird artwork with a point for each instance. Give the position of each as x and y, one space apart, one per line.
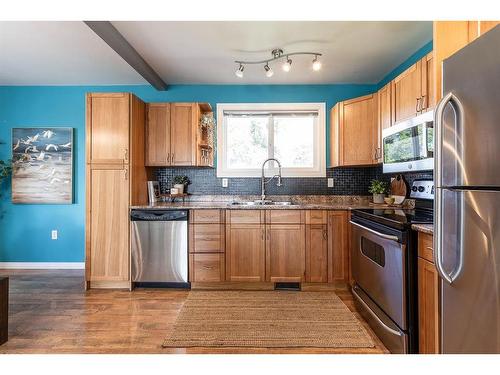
42 165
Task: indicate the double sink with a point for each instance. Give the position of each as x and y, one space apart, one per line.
262 203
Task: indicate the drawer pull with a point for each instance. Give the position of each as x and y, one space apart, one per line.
208 267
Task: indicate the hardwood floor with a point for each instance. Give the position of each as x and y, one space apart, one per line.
51 313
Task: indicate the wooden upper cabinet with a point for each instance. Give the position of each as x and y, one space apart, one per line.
354 132
183 125
108 257
285 253
108 124
428 89
407 93
245 252
385 119
158 134
448 38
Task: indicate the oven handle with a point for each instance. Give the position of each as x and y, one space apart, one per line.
386 236
387 328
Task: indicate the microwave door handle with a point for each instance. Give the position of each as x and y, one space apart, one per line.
386 236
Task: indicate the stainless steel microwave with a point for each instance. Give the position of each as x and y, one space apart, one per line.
409 145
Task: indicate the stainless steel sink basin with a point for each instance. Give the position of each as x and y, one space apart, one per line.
262 203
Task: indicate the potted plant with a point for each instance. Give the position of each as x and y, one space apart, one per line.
180 183
378 189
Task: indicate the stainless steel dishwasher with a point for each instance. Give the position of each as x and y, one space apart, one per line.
159 248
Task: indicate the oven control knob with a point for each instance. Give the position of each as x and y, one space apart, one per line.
414 188
421 189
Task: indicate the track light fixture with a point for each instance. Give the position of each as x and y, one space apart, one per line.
277 55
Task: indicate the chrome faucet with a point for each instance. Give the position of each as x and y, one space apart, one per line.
263 180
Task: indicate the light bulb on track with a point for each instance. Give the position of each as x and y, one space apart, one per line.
287 65
269 71
239 71
316 64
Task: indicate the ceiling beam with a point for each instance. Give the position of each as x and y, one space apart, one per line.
107 32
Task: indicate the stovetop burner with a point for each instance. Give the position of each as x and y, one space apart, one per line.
397 218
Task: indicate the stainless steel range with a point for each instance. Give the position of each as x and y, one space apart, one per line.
384 267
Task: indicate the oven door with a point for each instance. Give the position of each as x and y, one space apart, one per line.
378 267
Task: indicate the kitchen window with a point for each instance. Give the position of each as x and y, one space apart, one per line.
248 134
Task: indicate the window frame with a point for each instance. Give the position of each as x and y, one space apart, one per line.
319 155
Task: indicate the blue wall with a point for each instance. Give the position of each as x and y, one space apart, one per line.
25 229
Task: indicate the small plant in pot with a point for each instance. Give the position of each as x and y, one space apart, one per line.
181 183
378 189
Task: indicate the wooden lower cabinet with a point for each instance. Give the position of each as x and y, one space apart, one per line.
428 297
338 246
285 253
245 252
108 255
316 253
207 267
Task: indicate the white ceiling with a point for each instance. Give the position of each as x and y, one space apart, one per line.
64 53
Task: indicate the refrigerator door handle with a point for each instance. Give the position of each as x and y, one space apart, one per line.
438 128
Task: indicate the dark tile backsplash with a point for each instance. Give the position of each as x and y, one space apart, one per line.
347 181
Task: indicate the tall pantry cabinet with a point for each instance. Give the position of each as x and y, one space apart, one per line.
115 179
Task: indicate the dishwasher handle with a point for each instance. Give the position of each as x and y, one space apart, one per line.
158 215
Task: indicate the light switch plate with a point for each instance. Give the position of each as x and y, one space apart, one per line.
224 182
330 182
54 234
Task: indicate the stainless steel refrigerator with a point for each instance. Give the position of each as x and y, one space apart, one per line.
467 198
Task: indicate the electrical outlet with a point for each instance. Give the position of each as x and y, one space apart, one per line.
330 182
224 182
54 234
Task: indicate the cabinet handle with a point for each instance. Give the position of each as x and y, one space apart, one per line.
126 173
262 235
417 106
424 102
325 234
268 235
168 157
126 155
172 159
208 267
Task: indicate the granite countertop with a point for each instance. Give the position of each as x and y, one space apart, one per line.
424 228
302 202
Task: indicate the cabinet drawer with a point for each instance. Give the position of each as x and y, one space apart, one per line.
206 267
245 216
425 246
316 217
207 216
206 238
285 217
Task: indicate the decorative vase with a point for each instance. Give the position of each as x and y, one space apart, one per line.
378 198
180 187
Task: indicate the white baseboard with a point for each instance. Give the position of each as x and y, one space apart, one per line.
42 265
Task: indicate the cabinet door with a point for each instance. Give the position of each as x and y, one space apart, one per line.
428 313
338 247
384 116
335 135
245 252
448 38
108 128
158 135
316 253
206 267
428 96
109 225
285 253
407 91
358 131
183 124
